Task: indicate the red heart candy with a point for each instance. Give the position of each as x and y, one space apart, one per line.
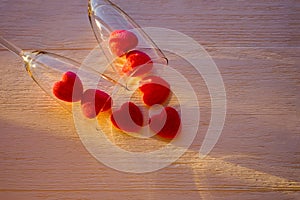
128 118
95 101
156 90
166 124
137 63
69 89
122 41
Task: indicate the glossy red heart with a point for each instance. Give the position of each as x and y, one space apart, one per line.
128 118
95 101
69 89
122 41
137 63
155 90
166 124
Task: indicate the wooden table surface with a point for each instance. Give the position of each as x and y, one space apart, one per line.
256 46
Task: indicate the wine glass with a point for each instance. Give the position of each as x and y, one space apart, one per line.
62 78
122 40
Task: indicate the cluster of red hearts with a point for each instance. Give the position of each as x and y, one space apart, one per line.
129 117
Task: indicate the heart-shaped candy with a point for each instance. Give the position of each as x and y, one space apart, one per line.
166 124
95 101
155 90
69 89
137 63
122 41
128 118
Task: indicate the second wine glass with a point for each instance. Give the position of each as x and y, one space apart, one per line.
129 50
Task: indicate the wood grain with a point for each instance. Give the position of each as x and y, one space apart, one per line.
256 47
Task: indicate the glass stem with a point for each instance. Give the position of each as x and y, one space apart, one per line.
11 47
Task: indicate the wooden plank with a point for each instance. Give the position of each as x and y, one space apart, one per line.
64 25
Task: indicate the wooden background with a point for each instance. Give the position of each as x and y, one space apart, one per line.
255 44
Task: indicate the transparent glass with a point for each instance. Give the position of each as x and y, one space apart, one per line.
106 18
48 69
